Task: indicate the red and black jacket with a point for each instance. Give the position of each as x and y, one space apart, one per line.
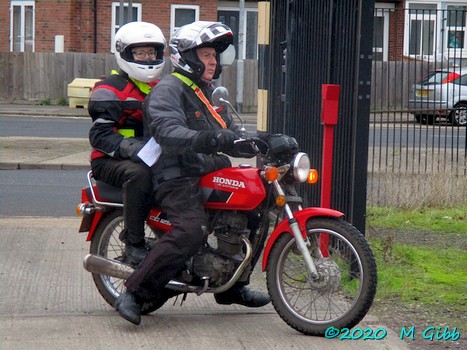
115 107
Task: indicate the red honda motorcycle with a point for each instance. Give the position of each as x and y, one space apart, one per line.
320 270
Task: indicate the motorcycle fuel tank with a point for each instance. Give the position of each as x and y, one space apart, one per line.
238 188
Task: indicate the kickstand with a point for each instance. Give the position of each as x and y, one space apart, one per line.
183 299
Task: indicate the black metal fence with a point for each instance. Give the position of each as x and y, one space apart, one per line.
417 138
324 42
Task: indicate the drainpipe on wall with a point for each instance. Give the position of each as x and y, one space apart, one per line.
95 26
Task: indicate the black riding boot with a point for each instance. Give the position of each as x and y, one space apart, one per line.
243 296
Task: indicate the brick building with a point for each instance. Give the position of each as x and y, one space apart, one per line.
89 25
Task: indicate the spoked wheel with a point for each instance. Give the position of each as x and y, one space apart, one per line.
106 242
345 289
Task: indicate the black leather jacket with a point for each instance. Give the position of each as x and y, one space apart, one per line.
173 115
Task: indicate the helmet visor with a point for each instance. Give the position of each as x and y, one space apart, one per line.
147 54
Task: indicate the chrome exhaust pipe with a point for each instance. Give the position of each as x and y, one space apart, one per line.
103 266
114 268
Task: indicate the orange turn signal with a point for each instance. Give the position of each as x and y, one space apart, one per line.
83 209
312 176
280 201
271 173
79 210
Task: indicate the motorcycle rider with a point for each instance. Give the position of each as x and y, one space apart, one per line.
116 135
191 132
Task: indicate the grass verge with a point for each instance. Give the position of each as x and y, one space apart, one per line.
422 259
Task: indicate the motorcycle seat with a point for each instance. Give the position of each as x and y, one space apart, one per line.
106 193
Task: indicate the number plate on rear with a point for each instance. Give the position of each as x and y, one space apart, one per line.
422 93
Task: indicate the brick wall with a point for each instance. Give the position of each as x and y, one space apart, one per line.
396 32
74 19
4 26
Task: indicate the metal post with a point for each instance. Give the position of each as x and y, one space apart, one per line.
121 12
241 56
329 113
130 11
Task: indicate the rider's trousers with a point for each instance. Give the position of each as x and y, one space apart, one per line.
182 200
135 180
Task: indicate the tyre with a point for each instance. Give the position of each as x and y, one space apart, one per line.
106 242
459 115
425 119
345 289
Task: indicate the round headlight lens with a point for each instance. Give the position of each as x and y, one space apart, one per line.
301 167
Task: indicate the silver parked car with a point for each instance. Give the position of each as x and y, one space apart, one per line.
441 93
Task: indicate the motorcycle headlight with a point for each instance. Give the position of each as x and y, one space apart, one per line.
301 167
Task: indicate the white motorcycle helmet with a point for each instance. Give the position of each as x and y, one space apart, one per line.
137 34
195 35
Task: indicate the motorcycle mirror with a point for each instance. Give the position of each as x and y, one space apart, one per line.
228 56
220 97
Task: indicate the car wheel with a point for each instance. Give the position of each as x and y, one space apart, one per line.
459 115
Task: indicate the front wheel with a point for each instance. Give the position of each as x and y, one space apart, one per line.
106 242
345 289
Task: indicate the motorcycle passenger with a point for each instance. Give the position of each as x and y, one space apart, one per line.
117 132
191 132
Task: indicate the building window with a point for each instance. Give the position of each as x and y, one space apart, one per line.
22 26
123 15
181 15
456 27
421 29
230 17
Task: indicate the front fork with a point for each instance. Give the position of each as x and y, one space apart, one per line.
302 243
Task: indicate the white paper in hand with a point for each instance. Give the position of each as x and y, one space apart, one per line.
150 152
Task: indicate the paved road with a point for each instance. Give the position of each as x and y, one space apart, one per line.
49 302
39 192
69 127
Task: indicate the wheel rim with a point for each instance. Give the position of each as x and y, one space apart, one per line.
111 247
331 297
461 116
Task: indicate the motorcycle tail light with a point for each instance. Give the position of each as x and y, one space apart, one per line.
312 176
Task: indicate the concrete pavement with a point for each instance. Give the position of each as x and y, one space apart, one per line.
49 302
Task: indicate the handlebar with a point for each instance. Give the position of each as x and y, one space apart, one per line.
249 147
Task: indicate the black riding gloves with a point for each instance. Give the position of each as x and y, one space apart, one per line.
214 141
129 148
225 139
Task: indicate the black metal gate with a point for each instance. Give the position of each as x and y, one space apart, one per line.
323 42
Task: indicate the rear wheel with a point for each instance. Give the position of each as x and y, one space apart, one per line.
345 289
106 242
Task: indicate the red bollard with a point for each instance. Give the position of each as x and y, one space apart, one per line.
329 113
